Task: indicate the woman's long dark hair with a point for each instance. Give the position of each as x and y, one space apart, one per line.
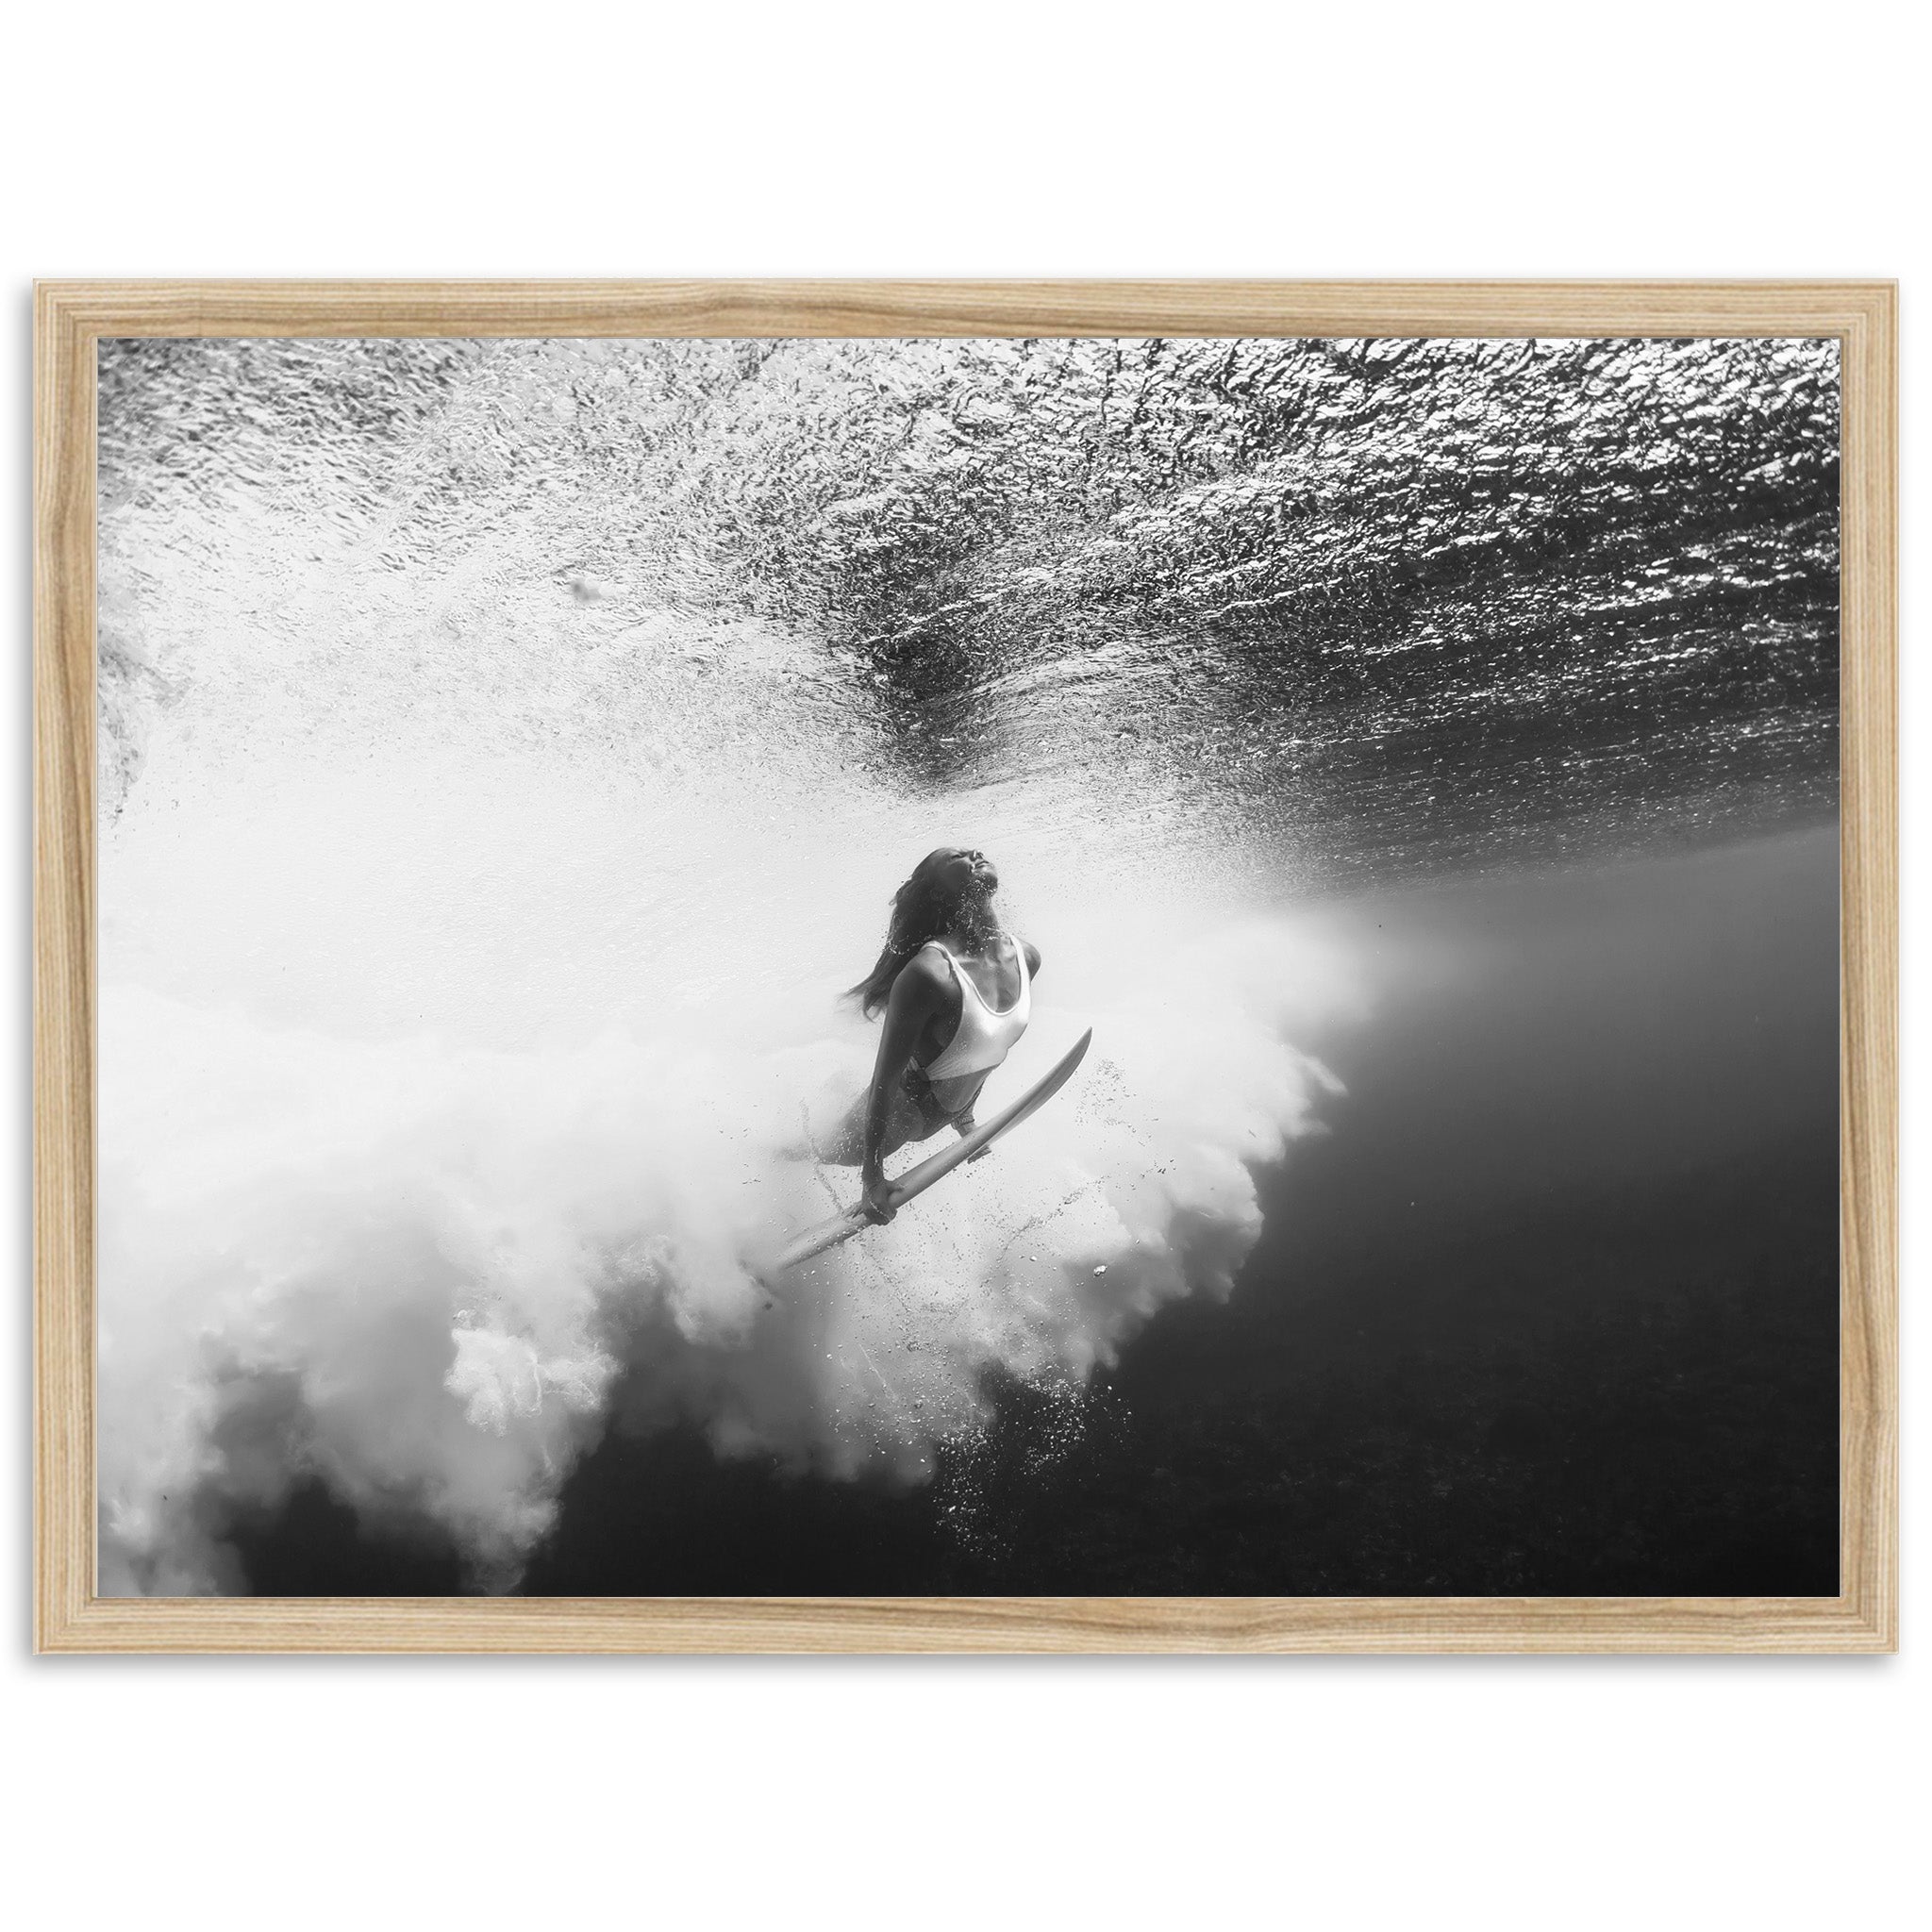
922 910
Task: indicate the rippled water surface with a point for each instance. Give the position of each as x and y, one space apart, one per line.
1387 603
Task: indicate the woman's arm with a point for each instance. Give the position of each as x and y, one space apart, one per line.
917 995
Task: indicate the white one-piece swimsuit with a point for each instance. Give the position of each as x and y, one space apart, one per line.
984 1037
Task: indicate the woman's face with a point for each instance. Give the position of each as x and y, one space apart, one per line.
961 869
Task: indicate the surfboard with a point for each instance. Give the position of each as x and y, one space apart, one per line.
915 1180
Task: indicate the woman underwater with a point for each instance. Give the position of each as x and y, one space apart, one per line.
956 990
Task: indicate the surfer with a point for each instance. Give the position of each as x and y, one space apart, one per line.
956 990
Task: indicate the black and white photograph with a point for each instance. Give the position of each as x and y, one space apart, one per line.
1154 966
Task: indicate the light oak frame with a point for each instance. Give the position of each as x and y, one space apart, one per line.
71 317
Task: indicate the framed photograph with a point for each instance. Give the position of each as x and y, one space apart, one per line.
960 966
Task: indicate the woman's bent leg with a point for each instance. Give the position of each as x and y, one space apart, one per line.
845 1145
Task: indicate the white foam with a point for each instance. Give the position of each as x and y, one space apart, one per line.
469 949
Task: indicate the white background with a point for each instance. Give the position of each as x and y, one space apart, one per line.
1686 139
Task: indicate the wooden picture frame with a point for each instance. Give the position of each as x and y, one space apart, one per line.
72 316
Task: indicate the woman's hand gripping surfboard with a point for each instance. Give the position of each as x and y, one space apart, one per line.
915 1180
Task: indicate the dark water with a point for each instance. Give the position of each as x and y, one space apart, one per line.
1552 1310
